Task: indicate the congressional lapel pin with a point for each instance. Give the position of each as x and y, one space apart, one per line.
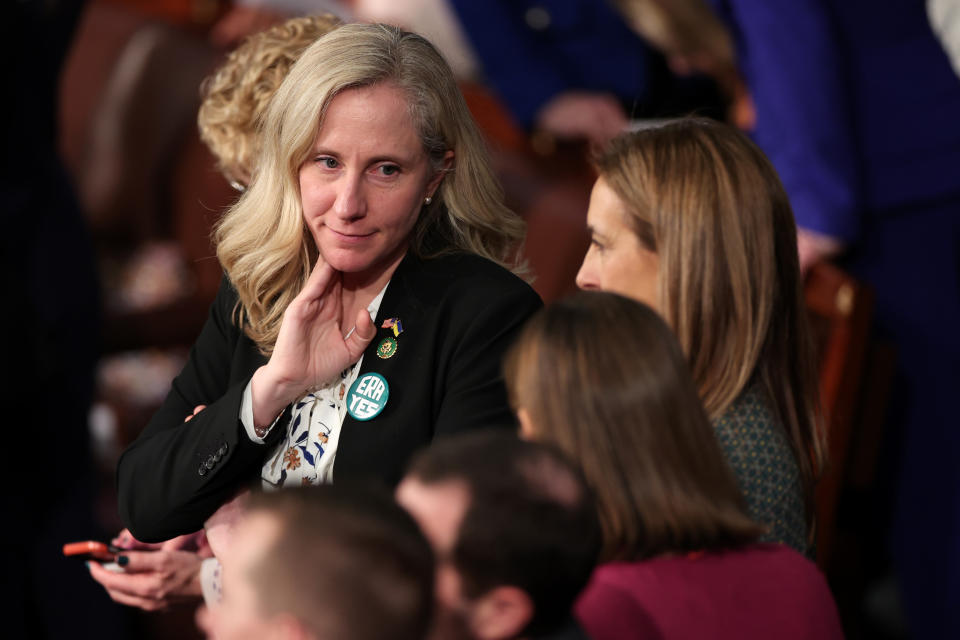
367 396
387 347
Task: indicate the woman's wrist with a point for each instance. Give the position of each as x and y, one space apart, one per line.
270 396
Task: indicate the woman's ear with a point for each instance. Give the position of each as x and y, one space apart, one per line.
437 178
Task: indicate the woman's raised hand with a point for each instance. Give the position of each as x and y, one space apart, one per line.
311 349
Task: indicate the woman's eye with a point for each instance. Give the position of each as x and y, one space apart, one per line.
388 169
327 162
595 244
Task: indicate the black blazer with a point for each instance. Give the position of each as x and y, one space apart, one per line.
459 315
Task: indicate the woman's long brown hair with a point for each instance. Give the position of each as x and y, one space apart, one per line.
709 203
602 377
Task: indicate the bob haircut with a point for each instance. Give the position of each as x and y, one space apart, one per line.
707 201
262 241
236 96
602 377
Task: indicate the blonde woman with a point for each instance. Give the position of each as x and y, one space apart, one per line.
691 219
235 99
602 377
368 294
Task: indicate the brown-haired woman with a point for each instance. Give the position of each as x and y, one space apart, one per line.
691 219
601 376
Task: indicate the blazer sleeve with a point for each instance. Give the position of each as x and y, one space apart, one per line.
474 395
791 61
176 474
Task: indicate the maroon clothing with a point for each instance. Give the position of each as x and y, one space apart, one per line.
762 591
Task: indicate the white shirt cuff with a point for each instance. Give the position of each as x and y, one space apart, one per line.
210 581
246 416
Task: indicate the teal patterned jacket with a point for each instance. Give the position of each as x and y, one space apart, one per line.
758 450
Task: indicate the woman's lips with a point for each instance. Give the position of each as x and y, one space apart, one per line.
349 238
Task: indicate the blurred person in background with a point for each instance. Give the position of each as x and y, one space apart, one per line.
515 534
324 562
602 377
574 70
236 95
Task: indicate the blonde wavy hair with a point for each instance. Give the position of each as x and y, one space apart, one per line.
235 97
706 199
262 241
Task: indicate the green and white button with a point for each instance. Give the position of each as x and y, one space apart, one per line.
368 396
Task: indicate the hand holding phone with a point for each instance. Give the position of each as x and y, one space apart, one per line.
152 579
94 551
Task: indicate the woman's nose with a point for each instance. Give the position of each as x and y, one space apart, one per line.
586 276
350 203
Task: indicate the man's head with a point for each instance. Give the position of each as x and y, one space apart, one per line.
324 562
513 527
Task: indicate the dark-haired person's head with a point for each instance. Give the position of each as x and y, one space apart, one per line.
514 529
602 377
322 563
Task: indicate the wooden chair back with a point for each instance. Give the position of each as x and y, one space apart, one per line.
840 311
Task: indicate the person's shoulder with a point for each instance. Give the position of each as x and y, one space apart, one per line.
630 577
469 275
752 406
784 575
616 602
749 429
758 564
782 560
462 265
227 297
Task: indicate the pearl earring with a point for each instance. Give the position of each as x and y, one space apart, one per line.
427 200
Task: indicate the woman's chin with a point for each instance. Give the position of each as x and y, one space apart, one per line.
360 263
348 261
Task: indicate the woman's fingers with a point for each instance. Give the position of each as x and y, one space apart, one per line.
156 575
187 542
146 561
197 409
128 589
319 298
140 584
362 334
319 280
135 601
125 540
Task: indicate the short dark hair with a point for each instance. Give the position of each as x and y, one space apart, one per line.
531 522
348 563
